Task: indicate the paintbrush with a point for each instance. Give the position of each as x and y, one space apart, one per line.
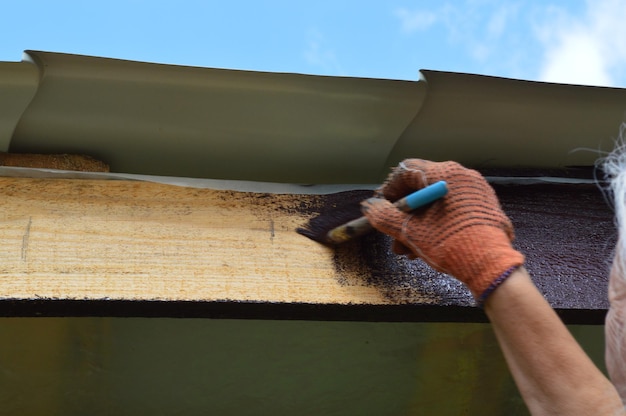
324 228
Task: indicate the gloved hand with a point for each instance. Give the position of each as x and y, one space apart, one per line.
465 234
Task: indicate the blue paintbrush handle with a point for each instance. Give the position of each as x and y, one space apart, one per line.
361 226
423 196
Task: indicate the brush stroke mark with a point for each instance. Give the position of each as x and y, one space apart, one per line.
272 230
25 238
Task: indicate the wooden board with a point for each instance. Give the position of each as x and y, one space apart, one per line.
123 248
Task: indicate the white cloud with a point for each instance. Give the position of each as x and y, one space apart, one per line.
588 49
319 55
500 18
571 43
412 21
476 26
576 59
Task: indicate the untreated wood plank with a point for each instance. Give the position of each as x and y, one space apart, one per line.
71 162
75 239
123 248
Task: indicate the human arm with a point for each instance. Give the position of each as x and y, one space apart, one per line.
467 235
554 375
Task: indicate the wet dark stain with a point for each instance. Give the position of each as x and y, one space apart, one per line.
370 261
566 232
334 210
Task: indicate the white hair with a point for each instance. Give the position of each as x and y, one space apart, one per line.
614 167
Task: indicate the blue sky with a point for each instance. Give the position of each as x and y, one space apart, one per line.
572 41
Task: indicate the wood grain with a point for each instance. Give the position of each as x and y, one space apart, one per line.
76 239
72 162
124 248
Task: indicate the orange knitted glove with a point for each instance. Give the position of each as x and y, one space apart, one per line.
465 234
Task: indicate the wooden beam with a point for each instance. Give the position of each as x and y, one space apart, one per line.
72 247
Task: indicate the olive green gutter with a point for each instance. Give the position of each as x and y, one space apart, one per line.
155 119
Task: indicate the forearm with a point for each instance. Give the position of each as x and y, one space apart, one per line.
467 235
554 375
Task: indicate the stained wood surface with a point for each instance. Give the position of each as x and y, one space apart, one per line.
123 248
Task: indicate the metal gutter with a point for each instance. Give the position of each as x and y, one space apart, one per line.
167 120
214 123
487 122
18 85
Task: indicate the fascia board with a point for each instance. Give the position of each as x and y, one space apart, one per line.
212 123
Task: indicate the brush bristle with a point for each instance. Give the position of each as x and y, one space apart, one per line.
314 234
334 215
